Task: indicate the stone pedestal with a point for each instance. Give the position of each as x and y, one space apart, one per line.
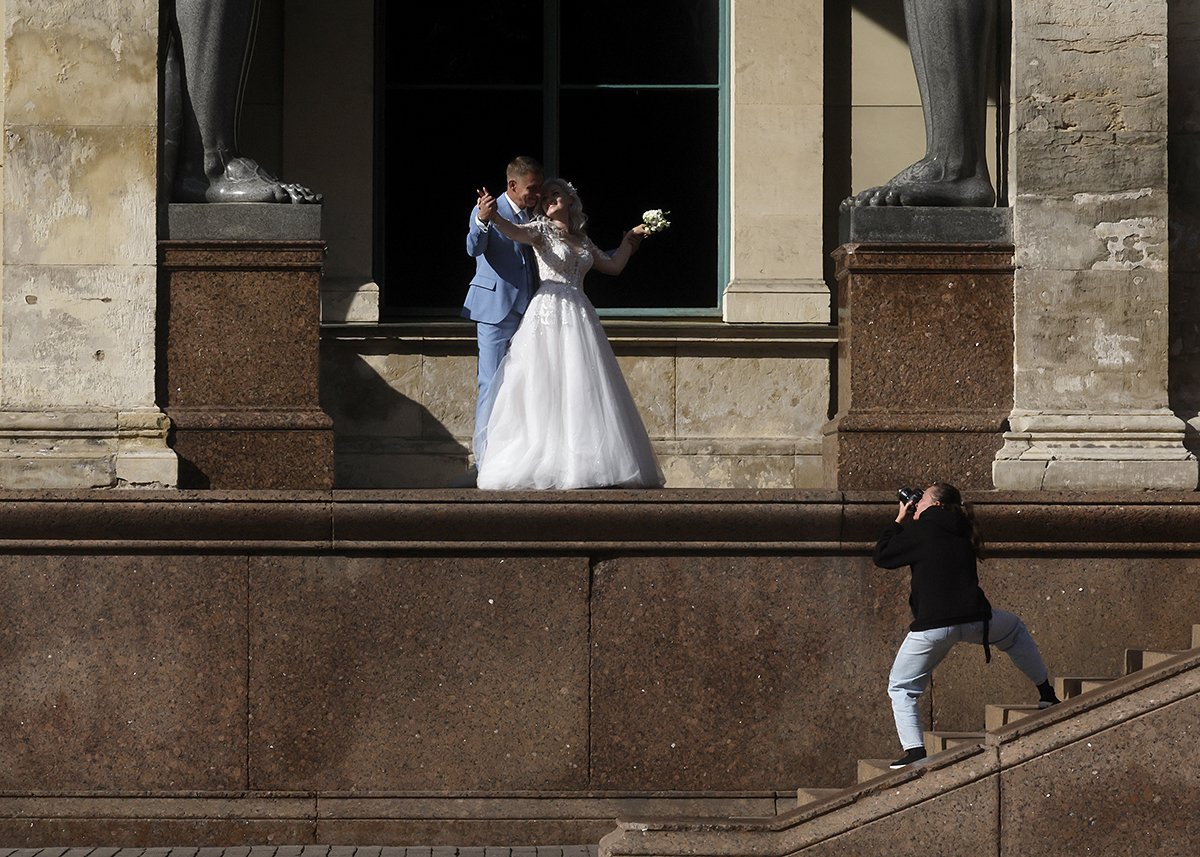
240 347
924 364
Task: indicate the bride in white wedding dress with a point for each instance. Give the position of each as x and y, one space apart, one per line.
563 416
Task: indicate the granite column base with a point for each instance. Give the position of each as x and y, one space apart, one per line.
925 347
240 354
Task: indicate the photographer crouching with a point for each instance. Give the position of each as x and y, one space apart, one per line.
935 533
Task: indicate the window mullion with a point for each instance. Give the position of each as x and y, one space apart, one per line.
551 80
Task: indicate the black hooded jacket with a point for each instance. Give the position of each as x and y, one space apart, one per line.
945 582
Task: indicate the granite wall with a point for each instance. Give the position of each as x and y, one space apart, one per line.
1111 773
430 668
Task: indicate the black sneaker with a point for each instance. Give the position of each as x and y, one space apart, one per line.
1046 694
914 754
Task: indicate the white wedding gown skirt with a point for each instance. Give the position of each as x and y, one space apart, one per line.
563 416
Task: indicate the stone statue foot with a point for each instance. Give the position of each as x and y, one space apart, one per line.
913 172
973 191
930 181
242 181
300 194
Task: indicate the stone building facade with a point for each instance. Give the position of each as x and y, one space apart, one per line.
818 99
434 667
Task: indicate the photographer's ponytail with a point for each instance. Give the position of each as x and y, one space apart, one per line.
949 497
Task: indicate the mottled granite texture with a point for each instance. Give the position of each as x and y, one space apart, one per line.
1128 790
224 667
702 670
241 354
373 674
924 364
122 673
961 821
1111 772
1118 602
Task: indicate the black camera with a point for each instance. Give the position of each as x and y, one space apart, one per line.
908 496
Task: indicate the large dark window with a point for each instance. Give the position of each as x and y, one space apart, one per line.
622 98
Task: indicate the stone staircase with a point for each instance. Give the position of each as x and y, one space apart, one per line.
997 716
983 792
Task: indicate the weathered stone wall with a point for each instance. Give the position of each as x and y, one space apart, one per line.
79 278
1184 162
724 411
1090 180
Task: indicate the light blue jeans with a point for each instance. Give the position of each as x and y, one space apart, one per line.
921 651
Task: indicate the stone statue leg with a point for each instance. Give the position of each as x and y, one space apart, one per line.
952 45
213 51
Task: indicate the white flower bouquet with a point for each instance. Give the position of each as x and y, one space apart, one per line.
655 220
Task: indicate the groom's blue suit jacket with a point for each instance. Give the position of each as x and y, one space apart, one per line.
504 275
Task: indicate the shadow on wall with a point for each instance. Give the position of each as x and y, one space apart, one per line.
383 436
839 100
1184 170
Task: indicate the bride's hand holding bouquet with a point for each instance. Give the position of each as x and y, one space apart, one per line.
653 221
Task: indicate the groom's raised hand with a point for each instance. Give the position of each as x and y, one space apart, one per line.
487 204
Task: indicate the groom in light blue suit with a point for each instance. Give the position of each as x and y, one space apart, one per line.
505 274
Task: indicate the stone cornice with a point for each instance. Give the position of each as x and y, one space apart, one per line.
667 522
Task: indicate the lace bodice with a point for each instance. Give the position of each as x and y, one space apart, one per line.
560 259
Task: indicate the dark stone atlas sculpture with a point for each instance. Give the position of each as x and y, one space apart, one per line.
952 45
208 55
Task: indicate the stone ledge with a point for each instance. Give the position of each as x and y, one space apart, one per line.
369 444
379 805
313 851
777 302
553 522
457 332
925 225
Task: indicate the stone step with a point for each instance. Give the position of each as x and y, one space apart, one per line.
1140 659
317 851
1068 686
938 742
804 796
998 716
869 769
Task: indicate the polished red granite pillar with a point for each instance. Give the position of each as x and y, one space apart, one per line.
239 337
924 370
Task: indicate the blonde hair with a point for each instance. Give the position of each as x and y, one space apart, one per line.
576 219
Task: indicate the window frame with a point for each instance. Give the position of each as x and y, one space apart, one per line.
551 87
